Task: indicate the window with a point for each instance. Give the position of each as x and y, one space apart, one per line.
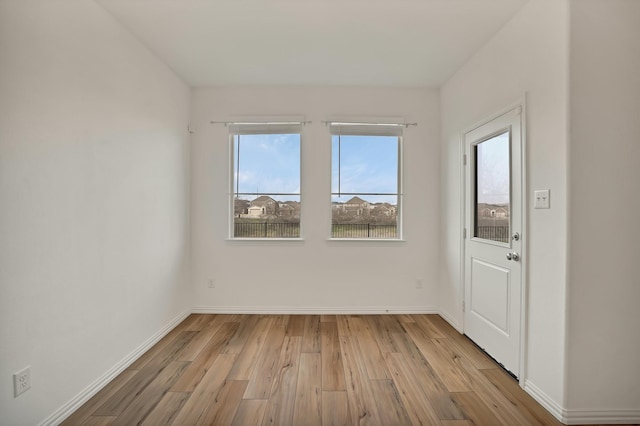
266 180
366 180
492 188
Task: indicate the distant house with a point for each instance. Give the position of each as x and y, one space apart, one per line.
502 213
493 214
286 210
490 211
357 206
240 207
256 211
484 211
264 206
384 209
294 204
289 209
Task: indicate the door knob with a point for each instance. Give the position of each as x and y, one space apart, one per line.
513 256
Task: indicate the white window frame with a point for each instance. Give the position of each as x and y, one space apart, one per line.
259 128
345 128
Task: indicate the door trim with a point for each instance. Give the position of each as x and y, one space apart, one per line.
519 103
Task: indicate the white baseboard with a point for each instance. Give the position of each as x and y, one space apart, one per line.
315 310
582 416
545 400
452 322
592 417
76 402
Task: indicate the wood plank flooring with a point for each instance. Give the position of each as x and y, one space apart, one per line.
313 370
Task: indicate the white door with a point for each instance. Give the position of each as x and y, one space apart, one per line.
493 238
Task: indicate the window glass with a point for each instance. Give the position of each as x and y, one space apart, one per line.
266 185
492 189
365 182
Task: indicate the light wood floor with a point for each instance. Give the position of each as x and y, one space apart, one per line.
313 370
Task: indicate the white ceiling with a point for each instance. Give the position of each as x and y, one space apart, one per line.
413 43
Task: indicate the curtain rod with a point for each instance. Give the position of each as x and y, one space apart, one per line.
363 123
248 123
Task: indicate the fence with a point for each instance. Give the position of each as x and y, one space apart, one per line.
363 230
494 233
266 230
292 230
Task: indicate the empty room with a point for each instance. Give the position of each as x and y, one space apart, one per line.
313 212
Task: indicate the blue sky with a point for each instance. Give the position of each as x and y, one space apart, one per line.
271 163
367 164
268 164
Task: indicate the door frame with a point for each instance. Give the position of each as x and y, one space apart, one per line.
519 103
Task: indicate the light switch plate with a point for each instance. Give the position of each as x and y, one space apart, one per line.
541 200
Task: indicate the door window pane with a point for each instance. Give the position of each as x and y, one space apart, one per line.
492 189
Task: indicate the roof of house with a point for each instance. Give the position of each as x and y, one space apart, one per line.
263 199
356 200
384 206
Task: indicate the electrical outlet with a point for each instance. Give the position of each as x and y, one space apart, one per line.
212 283
419 283
22 381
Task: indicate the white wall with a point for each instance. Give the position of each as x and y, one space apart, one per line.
603 359
315 274
94 193
530 54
